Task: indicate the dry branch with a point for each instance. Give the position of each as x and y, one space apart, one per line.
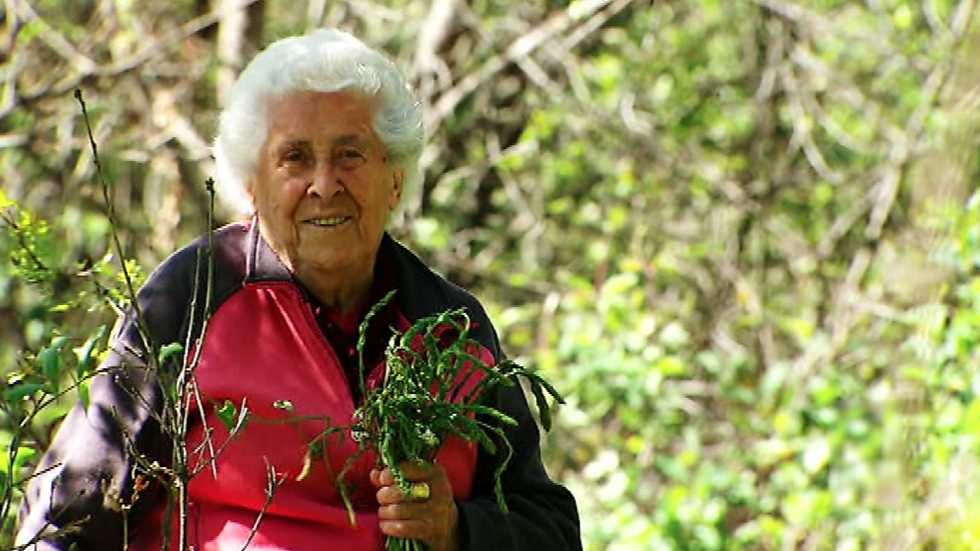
519 49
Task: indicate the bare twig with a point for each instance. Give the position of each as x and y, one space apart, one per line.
151 48
243 416
272 483
111 215
206 431
802 132
816 24
841 226
55 40
434 33
177 404
71 528
519 49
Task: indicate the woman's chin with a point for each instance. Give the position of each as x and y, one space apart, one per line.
329 256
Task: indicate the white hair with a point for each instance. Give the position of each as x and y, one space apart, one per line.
325 60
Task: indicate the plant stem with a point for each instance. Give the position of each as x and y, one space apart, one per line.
182 508
111 215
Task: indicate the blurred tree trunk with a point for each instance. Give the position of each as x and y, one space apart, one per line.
239 36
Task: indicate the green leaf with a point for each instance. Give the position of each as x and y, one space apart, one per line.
50 364
18 392
84 352
83 396
50 361
543 409
314 451
58 343
24 454
168 351
228 413
307 466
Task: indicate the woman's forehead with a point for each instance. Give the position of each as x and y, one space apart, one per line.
342 115
309 102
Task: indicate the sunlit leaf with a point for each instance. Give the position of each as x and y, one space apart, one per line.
84 353
20 391
169 351
227 413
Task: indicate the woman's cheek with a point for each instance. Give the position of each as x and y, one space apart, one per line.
293 193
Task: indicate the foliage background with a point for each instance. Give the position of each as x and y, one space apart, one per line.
743 237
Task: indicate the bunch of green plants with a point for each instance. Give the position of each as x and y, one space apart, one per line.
41 381
435 386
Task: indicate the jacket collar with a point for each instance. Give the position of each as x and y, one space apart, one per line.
262 263
421 292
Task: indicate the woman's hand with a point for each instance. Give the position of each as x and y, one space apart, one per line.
432 520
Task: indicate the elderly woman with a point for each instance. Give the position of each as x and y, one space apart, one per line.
321 137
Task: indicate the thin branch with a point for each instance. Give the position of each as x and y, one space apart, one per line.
817 25
519 49
56 41
841 226
22 427
12 27
802 137
272 483
36 474
151 48
935 84
243 416
374 10
230 42
22 241
206 431
111 214
72 527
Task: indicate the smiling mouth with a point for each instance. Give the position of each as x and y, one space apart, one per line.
330 222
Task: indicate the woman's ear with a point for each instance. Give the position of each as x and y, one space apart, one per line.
249 189
397 183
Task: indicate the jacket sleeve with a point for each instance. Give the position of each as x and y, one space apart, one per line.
541 513
73 500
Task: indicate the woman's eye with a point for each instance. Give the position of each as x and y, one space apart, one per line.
350 157
293 156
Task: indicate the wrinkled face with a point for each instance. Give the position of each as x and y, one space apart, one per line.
323 185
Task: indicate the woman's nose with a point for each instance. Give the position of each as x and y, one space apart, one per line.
325 182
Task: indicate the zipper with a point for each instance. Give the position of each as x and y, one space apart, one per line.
306 307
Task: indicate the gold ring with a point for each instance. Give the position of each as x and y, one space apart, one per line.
419 491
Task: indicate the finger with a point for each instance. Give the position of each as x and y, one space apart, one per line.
386 477
407 510
390 494
394 494
376 477
410 529
416 470
411 471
